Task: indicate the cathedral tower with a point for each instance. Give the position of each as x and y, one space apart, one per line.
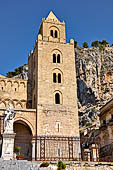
53 79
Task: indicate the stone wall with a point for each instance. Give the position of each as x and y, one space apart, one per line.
27 116
14 90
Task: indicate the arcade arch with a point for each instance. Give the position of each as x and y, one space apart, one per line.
23 138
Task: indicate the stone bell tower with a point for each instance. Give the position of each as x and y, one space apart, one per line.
53 75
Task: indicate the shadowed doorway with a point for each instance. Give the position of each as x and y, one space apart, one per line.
23 139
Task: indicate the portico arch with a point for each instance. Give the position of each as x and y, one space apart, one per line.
23 138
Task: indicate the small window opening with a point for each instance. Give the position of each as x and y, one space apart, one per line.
15 89
56 34
59 78
58 58
54 58
51 33
57 98
2 88
54 77
59 152
58 127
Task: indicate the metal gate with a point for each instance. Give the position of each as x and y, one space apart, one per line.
53 148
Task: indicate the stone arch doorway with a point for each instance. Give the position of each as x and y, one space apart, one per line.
23 138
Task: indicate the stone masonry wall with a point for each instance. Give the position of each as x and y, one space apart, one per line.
14 90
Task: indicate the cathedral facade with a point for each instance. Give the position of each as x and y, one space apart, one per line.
46 122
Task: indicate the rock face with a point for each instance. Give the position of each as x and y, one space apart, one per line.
94 69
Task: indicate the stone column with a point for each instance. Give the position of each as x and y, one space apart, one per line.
8 146
33 150
34 145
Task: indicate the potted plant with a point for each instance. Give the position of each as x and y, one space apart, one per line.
61 165
19 156
44 164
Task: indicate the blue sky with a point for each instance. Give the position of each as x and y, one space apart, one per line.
86 20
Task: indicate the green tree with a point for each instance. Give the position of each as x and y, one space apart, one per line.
11 74
104 42
15 72
85 45
95 43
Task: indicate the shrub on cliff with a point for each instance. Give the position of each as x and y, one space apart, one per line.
95 43
102 43
85 45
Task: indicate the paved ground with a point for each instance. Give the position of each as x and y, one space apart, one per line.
22 165
17 165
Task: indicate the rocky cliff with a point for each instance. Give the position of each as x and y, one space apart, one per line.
94 67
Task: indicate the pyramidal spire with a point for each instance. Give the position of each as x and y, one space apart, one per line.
52 17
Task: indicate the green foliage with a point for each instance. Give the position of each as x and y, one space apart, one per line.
11 74
18 70
95 43
88 124
20 154
101 44
85 45
61 165
112 45
79 48
17 149
15 72
104 42
44 164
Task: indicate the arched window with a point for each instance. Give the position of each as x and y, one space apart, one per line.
59 78
57 98
56 34
58 58
54 77
54 58
51 33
